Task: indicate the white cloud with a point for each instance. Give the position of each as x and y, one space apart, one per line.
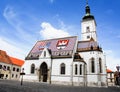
111 60
48 31
15 20
11 49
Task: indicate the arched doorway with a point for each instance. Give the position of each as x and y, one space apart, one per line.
43 72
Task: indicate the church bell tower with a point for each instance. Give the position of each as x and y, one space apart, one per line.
88 25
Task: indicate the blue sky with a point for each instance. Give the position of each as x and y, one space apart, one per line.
23 22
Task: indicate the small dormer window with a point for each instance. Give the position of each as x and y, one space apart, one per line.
87 29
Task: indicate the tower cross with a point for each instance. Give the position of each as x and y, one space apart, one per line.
86 2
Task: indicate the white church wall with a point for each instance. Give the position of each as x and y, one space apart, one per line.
93 78
57 77
27 68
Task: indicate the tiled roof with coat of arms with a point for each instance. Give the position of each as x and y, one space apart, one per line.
59 47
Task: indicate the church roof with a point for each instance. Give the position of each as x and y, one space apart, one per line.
59 47
77 57
90 45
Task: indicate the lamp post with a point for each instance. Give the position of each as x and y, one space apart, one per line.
22 73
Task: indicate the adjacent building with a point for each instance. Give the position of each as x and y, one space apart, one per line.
110 77
69 61
10 67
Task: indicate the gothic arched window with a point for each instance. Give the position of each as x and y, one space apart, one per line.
32 68
62 68
80 69
100 65
76 69
92 65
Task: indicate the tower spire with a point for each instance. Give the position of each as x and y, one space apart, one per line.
87 8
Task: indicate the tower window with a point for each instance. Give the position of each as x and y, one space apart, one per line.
88 37
87 29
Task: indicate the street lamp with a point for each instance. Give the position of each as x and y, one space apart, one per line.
22 73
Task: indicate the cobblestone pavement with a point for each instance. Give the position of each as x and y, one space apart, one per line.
15 86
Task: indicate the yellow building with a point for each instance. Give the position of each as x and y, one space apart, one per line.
10 67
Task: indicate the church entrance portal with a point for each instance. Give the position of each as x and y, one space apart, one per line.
43 72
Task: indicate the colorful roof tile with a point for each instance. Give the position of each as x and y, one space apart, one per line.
88 46
60 47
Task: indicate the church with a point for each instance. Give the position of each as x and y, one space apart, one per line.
68 61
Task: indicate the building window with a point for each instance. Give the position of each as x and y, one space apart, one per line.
88 37
18 69
87 29
44 53
76 69
4 68
6 76
8 68
12 75
13 68
16 75
32 68
62 68
0 66
92 65
100 65
80 69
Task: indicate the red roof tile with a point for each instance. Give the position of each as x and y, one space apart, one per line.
10 60
16 61
4 57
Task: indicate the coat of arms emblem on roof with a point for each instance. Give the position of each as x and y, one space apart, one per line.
61 44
